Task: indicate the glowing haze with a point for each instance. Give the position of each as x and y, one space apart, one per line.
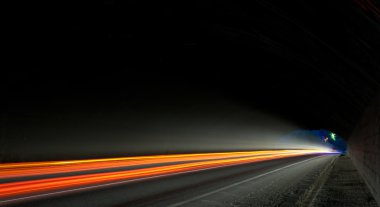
160 125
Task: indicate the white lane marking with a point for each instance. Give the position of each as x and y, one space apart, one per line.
238 183
10 201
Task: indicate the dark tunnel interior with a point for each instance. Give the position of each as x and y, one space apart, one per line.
84 77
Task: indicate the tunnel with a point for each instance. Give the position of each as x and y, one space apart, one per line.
198 76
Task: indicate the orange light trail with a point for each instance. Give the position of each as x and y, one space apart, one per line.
12 170
199 162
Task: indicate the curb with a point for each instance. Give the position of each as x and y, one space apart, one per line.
307 198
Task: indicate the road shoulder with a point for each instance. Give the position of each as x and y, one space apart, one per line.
339 185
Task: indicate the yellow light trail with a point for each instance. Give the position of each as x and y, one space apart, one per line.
11 170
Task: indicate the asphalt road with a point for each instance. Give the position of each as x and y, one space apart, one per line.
269 183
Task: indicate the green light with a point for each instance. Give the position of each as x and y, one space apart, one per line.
333 136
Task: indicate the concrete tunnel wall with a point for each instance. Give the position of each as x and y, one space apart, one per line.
364 147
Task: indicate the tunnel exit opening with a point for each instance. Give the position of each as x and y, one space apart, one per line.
317 138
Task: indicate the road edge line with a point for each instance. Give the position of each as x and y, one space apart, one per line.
238 183
308 197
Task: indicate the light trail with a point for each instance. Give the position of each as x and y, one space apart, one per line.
12 170
200 162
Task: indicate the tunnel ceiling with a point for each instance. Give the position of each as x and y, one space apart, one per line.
315 63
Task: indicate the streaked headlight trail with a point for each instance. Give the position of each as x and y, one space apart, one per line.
144 167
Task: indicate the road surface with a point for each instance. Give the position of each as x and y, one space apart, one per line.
276 182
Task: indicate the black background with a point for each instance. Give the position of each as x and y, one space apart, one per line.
314 63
